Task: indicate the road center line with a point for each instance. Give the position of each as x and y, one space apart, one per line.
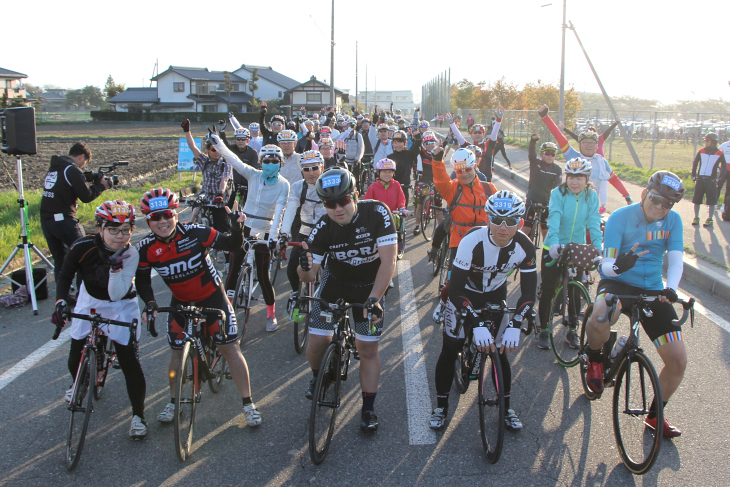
11 374
418 398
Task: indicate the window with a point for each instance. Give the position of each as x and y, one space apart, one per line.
314 97
178 87
234 86
210 108
281 94
387 97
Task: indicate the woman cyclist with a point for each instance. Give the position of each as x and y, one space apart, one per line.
107 265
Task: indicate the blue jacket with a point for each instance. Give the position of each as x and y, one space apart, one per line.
571 215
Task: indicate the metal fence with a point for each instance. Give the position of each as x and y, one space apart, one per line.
46 117
436 96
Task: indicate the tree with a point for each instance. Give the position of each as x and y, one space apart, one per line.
464 95
252 86
4 100
227 86
84 98
111 89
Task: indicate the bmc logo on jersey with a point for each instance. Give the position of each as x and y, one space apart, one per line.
179 267
51 179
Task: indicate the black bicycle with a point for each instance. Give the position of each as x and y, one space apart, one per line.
92 373
536 227
300 309
635 383
200 361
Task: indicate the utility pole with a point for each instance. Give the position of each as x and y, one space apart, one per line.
332 61
367 100
357 100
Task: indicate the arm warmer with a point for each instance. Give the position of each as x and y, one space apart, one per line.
675 268
457 133
120 282
618 184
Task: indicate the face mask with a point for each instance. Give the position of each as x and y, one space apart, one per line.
271 172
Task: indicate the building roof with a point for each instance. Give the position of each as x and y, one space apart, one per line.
198 74
236 97
136 95
6 73
174 104
267 73
312 82
52 96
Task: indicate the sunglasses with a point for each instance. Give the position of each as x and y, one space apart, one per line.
270 161
276 124
463 171
116 231
549 153
311 168
660 200
499 220
241 138
159 215
343 201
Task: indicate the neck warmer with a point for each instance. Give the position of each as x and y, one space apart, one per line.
271 172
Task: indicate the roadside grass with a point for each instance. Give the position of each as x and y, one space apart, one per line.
706 258
10 228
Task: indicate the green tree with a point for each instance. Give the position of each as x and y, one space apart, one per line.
18 101
252 86
4 100
93 96
111 89
464 95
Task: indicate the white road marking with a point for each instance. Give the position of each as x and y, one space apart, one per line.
418 398
725 325
11 374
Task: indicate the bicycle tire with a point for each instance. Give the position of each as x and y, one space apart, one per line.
81 407
274 266
426 216
638 446
325 404
218 365
185 401
564 354
592 396
401 243
461 369
301 328
101 375
365 179
242 300
445 263
491 405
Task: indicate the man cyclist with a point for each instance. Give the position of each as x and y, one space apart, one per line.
544 176
484 259
269 136
256 142
708 166
179 254
478 134
246 154
290 170
636 239
359 240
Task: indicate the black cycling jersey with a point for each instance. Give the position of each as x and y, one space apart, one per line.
543 177
63 186
352 249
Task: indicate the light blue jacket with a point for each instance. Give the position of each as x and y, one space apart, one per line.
571 215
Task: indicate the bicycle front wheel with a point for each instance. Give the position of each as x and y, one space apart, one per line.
81 406
325 403
242 300
102 371
301 327
426 218
185 400
445 263
637 385
564 328
218 366
491 405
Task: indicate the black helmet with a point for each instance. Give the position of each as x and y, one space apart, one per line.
667 184
712 136
335 183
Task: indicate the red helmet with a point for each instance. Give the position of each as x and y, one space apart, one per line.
158 199
114 212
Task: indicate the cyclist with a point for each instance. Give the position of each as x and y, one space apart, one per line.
246 154
405 159
601 137
573 209
388 190
708 166
107 266
424 169
290 169
264 208
382 148
544 176
353 143
637 237
478 134
588 144
484 259
179 254
357 270
327 149
499 146
256 142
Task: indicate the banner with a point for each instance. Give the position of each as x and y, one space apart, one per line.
185 156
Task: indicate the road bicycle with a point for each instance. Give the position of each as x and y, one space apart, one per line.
536 227
200 361
635 383
367 175
431 211
90 379
401 233
300 308
246 285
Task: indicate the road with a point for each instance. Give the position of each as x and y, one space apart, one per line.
567 440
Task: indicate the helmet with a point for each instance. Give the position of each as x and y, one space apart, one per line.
325 141
286 136
712 136
311 157
401 121
392 128
476 149
325 130
548 146
463 159
424 124
316 122
114 213
291 125
242 133
271 151
587 134
429 137
578 166
253 127
477 127
667 184
335 183
382 126
278 118
158 199
400 135
385 164
505 203
308 123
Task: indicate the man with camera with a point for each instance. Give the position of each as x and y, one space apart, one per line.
63 186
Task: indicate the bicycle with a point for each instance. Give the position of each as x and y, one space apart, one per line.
332 371
278 260
567 308
200 361
631 399
474 365
431 210
367 176
82 402
300 309
539 210
246 285
401 234
204 217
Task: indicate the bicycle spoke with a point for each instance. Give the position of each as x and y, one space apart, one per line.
80 407
185 401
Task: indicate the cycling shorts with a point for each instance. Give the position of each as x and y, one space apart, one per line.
658 327
705 186
217 300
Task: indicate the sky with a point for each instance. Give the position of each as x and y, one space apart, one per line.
641 48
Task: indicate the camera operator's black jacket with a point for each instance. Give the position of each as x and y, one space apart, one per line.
63 185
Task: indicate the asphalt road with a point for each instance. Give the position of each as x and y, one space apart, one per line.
567 440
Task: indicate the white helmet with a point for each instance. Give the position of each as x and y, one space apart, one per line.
506 204
271 151
242 133
578 166
463 159
311 157
287 136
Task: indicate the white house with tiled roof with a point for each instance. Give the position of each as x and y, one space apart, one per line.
11 85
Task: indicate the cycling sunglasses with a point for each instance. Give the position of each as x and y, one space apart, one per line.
499 220
311 168
342 201
159 215
549 153
463 171
660 200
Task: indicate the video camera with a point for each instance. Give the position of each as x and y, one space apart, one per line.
96 177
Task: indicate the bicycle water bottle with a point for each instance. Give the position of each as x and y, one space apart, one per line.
617 347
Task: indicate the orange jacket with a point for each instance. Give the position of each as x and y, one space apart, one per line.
469 211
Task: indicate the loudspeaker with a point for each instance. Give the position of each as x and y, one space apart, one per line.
38 274
18 131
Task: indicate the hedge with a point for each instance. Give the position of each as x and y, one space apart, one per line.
107 116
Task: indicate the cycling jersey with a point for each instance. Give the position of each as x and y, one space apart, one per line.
290 168
627 226
63 186
570 215
543 177
184 263
309 208
352 249
392 195
708 161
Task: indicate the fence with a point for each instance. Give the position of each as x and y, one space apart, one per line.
46 117
662 140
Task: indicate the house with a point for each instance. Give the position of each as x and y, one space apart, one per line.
401 99
53 100
314 94
10 84
271 84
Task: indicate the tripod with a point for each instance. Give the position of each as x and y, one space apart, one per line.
25 244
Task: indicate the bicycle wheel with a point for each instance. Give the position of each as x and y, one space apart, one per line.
461 369
426 217
301 327
325 404
274 266
592 396
401 238
185 400
445 263
218 365
81 406
491 405
561 325
637 384
537 239
242 300
102 370
366 179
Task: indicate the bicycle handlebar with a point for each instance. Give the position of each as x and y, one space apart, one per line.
342 308
95 318
189 312
613 300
